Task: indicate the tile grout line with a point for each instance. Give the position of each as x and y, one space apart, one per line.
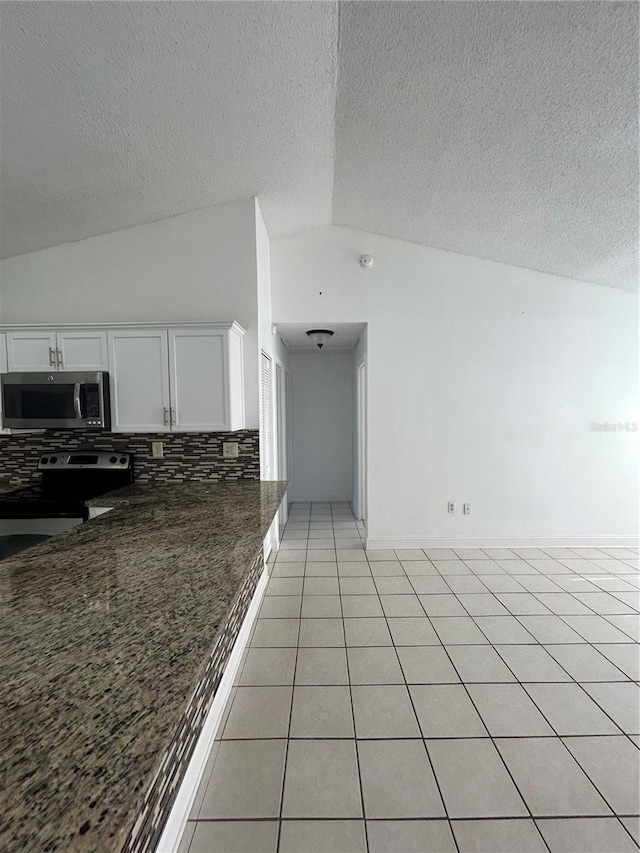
424 743
355 733
288 738
480 717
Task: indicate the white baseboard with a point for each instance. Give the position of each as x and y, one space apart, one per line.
177 820
569 541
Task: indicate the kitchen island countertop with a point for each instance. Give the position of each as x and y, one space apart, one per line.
105 632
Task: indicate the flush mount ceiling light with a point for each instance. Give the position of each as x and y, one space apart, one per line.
320 336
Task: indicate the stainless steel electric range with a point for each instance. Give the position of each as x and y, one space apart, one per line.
57 501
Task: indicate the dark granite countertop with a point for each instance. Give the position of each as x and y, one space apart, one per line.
103 633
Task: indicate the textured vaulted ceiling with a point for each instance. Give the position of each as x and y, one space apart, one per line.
506 130
116 114
503 130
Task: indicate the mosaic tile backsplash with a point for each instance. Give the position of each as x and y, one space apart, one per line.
187 455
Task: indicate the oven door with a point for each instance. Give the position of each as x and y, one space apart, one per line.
55 400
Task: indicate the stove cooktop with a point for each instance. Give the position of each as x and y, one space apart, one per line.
68 480
34 502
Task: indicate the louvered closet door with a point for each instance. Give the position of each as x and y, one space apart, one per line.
266 419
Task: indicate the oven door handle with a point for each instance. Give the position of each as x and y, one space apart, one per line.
76 401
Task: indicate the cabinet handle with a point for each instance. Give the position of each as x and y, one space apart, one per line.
174 419
52 358
76 401
59 359
166 416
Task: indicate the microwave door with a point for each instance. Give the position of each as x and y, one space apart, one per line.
42 401
40 406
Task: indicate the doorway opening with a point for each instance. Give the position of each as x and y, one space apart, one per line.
321 402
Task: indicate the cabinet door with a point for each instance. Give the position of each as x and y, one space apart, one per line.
31 351
139 366
3 369
199 379
83 350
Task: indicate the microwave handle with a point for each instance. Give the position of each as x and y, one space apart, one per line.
76 400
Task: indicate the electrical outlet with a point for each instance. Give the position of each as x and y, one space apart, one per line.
157 449
451 506
229 449
466 509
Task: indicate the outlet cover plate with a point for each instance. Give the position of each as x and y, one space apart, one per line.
230 450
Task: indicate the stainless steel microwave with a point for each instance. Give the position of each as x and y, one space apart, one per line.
56 400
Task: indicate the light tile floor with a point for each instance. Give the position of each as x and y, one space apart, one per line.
434 700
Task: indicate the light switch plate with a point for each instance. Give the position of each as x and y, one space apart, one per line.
230 450
157 449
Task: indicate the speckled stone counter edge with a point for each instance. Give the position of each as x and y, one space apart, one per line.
229 522
159 797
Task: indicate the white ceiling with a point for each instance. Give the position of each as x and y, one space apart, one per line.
504 130
345 335
116 114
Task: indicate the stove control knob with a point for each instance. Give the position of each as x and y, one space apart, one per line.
53 459
123 460
44 460
113 460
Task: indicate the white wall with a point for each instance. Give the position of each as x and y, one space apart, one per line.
282 361
265 340
322 385
198 266
483 380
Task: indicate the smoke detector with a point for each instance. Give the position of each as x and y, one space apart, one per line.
366 262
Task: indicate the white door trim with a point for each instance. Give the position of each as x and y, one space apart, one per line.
361 439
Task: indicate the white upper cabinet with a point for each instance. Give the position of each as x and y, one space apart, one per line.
177 380
52 351
200 371
82 350
31 351
3 369
183 378
139 368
